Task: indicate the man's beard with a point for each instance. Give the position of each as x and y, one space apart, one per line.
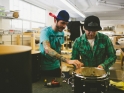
58 28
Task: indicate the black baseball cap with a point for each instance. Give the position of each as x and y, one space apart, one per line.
62 15
92 23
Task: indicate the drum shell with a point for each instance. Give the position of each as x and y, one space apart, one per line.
36 66
15 69
90 84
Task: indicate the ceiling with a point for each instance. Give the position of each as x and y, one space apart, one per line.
110 12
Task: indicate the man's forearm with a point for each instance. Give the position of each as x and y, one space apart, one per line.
62 58
56 55
52 52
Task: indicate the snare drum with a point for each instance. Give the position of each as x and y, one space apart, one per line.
90 80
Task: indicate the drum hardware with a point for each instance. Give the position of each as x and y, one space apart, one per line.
67 74
89 80
71 82
64 78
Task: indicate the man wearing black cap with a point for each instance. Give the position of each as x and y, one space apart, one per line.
94 48
51 39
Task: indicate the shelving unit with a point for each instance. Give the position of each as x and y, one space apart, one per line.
20 37
8 18
32 38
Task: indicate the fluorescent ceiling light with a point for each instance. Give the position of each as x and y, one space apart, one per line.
73 8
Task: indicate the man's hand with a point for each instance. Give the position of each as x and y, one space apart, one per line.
100 67
77 63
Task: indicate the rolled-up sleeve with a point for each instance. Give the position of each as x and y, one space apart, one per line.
111 55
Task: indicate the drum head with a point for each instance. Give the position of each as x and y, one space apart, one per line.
90 72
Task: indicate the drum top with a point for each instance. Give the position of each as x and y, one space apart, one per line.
35 52
90 71
13 49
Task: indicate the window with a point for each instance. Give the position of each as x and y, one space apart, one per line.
37 14
17 24
37 25
30 15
